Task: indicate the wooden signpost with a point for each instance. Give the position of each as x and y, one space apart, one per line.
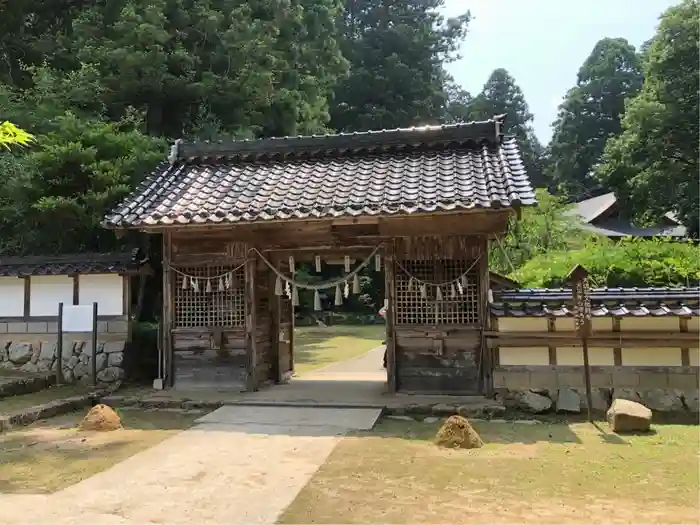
582 312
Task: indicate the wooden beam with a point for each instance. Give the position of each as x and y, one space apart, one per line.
552 327
685 351
27 297
76 289
617 351
631 340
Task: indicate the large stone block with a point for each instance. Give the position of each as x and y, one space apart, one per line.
516 380
649 380
37 328
20 353
47 350
691 400
118 327
568 400
101 361
115 359
628 416
629 394
600 397
683 381
110 374
663 400
571 379
113 346
16 328
531 402
625 378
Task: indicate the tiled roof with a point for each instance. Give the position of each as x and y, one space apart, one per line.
623 302
387 172
83 263
590 211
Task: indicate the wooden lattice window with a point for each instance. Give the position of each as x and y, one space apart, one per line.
199 308
412 308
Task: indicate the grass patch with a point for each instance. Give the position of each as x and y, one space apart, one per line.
544 473
316 347
15 403
53 454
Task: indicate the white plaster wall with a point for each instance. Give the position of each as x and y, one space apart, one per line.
573 356
524 356
650 324
522 324
598 324
11 297
106 290
46 291
651 356
694 355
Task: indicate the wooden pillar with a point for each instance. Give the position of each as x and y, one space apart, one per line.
390 291
250 325
168 313
274 312
484 365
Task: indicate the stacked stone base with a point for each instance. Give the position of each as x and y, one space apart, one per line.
574 400
32 354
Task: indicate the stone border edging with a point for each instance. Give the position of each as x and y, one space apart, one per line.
440 409
26 385
29 415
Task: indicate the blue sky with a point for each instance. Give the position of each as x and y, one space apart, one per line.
542 43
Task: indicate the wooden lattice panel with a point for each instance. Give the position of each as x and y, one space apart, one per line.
413 309
196 309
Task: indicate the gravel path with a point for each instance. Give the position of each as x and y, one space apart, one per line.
239 465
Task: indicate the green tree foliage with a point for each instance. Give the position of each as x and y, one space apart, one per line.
80 166
653 164
75 175
591 114
501 95
12 135
262 66
540 230
396 50
634 262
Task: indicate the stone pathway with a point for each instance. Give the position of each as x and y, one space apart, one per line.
238 464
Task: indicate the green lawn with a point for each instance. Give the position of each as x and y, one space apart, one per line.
316 347
14 403
544 473
52 454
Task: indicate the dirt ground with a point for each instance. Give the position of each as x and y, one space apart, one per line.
53 454
544 473
317 347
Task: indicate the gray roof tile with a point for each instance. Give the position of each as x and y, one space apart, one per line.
83 263
622 302
388 172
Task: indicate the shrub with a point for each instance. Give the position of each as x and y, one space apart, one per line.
629 262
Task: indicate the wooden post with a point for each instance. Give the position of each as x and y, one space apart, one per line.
59 346
250 326
167 314
582 308
94 344
485 367
390 319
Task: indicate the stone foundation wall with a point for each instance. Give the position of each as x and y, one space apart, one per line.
32 347
659 388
